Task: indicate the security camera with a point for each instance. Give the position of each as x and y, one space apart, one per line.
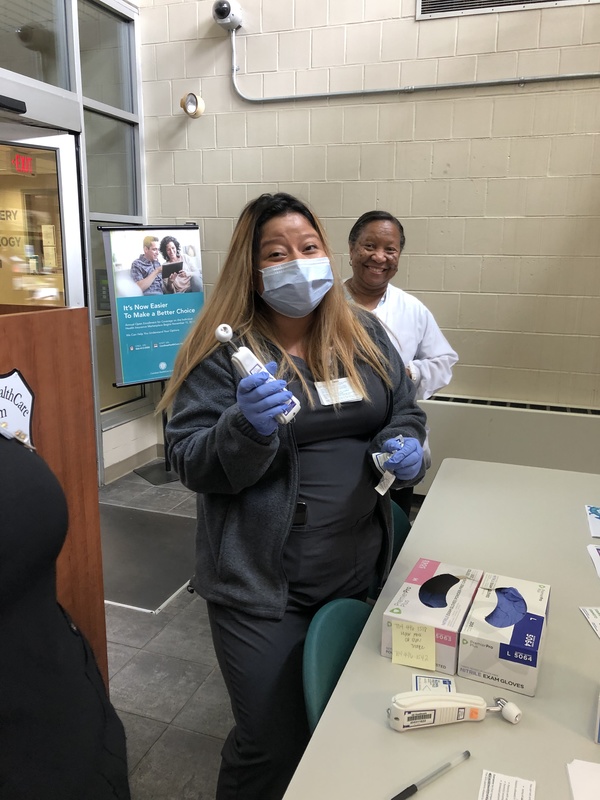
227 14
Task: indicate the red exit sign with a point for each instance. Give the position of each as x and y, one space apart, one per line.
23 164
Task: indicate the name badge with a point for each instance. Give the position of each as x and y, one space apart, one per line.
342 392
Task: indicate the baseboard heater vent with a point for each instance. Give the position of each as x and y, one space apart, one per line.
477 401
529 434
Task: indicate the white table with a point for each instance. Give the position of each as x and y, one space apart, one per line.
523 522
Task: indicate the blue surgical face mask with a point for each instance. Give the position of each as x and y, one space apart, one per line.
296 288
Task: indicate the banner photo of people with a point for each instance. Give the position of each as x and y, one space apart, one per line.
156 292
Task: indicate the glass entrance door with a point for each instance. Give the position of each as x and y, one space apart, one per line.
40 232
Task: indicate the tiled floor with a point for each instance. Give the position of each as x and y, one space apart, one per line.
164 678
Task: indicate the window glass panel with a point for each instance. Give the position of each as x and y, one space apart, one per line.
33 40
98 260
110 164
31 252
105 50
110 395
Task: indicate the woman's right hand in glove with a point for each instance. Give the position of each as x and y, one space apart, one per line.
260 399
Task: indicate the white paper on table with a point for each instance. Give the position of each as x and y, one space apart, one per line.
432 683
594 551
593 617
593 516
495 786
584 777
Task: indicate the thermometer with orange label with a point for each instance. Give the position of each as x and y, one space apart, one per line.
411 710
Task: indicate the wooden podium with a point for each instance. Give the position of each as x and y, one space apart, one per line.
50 347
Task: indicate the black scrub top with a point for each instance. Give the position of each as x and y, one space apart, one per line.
334 554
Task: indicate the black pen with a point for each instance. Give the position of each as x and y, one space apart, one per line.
431 776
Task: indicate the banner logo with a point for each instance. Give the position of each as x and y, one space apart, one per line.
16 404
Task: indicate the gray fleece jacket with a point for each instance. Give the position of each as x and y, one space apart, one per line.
247 484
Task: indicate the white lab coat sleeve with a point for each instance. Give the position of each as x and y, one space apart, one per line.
433 360
417 337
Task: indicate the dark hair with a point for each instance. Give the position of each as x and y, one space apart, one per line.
268 206
163 246
375 216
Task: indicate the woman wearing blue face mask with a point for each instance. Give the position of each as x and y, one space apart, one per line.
288 514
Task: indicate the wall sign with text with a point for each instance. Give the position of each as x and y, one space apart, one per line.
156 292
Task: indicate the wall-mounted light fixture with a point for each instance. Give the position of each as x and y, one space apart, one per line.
193 105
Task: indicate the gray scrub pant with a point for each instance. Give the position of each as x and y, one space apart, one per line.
261 662
261 659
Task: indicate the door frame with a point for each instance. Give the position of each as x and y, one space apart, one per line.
65 146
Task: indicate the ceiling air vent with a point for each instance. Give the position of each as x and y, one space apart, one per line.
433 9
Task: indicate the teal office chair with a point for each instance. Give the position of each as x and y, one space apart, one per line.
331 636
402 527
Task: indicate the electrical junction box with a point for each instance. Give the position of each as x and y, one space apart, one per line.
434 595
502 638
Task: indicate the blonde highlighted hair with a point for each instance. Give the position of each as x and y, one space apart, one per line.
336 338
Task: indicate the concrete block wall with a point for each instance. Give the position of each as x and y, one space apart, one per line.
498 187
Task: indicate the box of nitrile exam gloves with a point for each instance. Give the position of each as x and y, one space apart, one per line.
435 596
502 638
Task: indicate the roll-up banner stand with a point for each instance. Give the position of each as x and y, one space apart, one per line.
156 292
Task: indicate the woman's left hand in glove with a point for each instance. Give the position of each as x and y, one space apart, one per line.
405 461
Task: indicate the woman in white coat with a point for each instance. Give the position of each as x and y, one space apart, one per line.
376 241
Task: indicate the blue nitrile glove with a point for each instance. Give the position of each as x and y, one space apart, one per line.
405 461
510 609
260 399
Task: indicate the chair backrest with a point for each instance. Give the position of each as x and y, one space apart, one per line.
401 529
331 636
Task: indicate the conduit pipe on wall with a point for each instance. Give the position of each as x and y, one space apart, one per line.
404 89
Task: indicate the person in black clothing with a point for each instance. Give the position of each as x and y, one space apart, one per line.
60 738
289 516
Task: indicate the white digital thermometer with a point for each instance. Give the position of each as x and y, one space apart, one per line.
411 710
246 363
